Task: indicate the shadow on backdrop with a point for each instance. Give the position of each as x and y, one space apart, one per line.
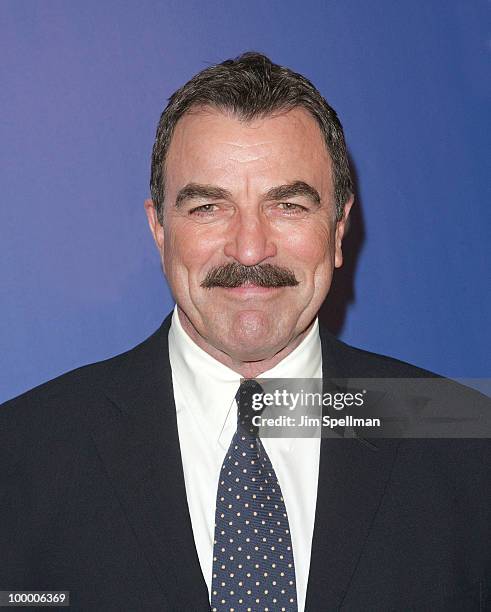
334 310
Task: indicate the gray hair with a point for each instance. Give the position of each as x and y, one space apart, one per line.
251 86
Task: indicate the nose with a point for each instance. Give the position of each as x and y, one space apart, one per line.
249 239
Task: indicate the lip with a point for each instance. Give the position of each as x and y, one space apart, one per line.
250 290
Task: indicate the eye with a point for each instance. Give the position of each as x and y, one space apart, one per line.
203 210
290 208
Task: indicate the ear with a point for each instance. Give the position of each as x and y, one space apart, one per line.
154 224
341 227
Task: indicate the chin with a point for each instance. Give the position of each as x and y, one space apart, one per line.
251 352
253 336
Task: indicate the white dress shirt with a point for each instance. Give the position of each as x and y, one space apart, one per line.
204 392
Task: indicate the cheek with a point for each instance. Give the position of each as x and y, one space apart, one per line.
311 248
188 248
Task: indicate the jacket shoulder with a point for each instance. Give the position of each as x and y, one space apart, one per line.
60 408
359 363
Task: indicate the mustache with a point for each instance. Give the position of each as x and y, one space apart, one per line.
235 275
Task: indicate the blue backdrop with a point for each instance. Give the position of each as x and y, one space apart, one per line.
82 88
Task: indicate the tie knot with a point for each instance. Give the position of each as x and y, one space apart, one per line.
249 404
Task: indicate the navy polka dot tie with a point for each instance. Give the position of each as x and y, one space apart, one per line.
253 566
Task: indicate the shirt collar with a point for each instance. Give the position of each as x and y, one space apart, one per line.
208 387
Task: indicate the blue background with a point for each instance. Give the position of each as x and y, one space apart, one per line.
82 87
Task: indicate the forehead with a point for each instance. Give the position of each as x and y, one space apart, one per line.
214 147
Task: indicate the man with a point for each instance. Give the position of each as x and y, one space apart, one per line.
139 483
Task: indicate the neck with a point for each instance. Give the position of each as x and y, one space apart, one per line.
247 369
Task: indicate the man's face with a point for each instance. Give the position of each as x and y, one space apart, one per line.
256 193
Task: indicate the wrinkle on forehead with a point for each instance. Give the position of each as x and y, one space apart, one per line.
246 145
213 147
243 156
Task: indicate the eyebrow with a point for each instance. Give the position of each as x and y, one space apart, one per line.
195 191
290 190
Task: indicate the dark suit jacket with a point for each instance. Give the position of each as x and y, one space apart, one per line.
92 499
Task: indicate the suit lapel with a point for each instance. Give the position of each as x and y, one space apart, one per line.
352 479
137 439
